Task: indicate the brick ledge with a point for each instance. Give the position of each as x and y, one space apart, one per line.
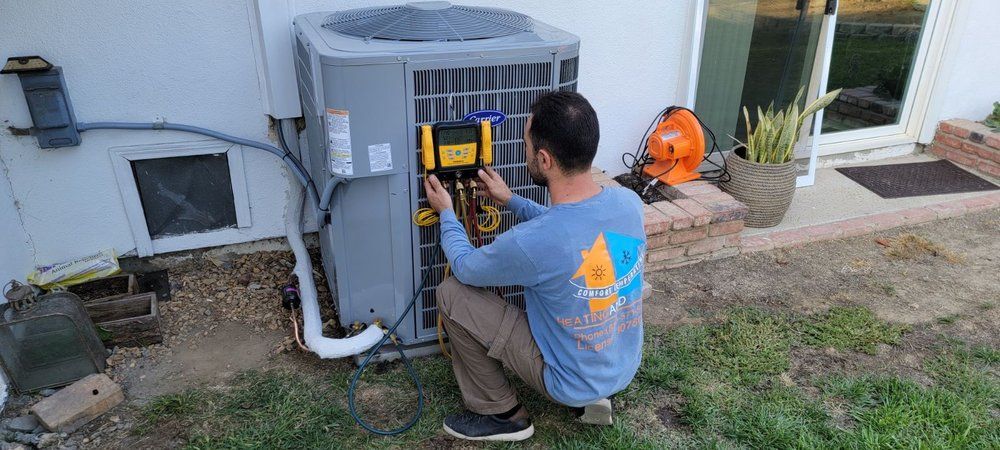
869 224
696 222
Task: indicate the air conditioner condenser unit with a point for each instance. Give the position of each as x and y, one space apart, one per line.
369 79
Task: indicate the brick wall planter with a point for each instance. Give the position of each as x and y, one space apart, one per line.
861 107
698 222
970 144
878 30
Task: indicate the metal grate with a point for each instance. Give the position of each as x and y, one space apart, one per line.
472 80
568 70
568 87
449 94
428 21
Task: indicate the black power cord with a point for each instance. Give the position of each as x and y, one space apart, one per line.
641 157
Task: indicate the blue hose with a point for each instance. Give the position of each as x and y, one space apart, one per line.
406 361
287 157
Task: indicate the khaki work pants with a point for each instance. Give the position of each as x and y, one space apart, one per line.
486 335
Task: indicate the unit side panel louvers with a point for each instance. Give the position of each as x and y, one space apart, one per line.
568 70
449 94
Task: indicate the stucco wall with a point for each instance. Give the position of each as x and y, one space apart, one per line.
192 61
15 250
972 82
188 62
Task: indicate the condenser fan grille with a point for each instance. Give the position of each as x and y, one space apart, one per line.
428 21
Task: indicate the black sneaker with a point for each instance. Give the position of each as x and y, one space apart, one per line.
477 427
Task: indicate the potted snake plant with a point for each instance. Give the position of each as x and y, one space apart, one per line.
762 169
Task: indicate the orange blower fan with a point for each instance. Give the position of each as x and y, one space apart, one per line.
677 148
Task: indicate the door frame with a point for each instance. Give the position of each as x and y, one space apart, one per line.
916 106
926 68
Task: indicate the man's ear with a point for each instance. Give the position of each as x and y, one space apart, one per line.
545 160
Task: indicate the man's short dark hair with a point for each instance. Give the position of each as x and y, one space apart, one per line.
566 125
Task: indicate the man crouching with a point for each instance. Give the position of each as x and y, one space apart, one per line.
580 262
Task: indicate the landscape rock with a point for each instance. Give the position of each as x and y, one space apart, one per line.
47 392
46 440
24 424
12 446
26 438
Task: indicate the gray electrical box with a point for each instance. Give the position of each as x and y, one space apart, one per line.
368 79
48 101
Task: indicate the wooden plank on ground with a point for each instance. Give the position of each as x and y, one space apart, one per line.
78 403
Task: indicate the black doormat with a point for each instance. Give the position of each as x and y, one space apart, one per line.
916 179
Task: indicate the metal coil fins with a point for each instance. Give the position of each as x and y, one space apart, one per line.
428 21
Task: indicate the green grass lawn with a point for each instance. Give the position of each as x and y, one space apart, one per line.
862 61
720 385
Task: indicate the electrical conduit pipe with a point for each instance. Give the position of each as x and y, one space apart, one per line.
323 346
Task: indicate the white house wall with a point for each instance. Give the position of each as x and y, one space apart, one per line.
191 61
182 61
973 83
15 249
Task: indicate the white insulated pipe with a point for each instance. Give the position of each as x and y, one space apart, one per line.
324 347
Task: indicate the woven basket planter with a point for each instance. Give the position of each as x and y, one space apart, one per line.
766 189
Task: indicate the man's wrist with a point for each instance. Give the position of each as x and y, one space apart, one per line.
513 199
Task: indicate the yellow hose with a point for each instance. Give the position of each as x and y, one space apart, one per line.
492 219
425 217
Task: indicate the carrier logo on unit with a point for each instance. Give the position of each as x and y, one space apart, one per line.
494 116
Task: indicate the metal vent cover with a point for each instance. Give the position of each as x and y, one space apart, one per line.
510 88
428 21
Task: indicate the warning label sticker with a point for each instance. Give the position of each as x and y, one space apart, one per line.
338 125
380 157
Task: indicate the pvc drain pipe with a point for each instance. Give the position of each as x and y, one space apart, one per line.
323 346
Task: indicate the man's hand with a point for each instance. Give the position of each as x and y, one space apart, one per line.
493 186
437 195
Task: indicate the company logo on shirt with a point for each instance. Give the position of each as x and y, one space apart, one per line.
611 265
609 279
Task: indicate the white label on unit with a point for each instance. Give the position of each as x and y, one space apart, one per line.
338 126
380 157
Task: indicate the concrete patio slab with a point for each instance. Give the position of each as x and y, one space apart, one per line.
836 198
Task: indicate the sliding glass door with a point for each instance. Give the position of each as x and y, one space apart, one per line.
755 52
875 50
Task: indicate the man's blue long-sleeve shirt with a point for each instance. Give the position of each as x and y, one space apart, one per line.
581 267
